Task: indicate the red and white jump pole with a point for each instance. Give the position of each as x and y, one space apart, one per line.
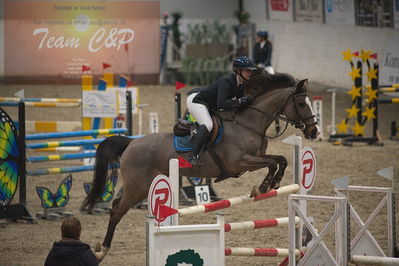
263 252
223 204
257 224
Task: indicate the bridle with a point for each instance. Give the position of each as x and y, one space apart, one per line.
301 123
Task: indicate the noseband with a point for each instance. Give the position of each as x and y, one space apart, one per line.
301 123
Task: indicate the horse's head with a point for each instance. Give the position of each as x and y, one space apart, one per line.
299 110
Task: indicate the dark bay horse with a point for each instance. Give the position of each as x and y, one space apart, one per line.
243 147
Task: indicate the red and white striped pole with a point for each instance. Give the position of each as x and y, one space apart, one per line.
257 224
223 204
264 252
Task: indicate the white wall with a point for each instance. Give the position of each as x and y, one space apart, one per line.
310 50
257 9
201 9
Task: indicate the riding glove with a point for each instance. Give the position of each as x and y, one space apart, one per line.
245 100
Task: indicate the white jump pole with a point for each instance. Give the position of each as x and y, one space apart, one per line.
296 141
373 260
174 182
333 95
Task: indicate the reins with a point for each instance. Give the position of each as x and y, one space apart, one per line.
297 124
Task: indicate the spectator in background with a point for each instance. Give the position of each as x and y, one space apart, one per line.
70 251
378 8
262 53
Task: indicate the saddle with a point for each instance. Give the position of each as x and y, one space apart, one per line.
185 128
183 131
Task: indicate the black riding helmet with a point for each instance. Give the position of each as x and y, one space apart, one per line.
262 34
243 62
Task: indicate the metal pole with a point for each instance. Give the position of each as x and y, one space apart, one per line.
129 118
374 86
22 150
177 106
177 117
393 130
359 99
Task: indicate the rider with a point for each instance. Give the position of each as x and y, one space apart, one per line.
262 53
223 94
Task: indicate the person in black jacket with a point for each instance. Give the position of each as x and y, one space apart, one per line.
70 251
262 53
223 94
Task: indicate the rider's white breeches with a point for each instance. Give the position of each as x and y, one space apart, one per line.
200 112
270 70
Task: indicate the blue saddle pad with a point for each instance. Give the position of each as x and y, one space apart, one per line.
184 144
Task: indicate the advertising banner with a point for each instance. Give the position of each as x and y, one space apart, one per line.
374 13
389 66
66 39
309 11
99 104
281 10
339 12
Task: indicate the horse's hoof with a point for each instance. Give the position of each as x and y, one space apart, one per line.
97 248
100 252
255 192
264 188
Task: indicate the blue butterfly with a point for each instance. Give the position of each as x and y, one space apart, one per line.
60 198
9 154
108 192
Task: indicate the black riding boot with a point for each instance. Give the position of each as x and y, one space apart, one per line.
199 139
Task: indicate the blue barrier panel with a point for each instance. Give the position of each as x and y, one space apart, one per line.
56 135
49 171
57 157
70 143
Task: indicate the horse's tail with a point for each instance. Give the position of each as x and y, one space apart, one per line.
107 155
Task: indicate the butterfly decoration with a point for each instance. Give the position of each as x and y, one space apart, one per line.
108 192
9 162
60 198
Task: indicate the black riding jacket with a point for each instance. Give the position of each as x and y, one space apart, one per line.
263 55
220 94
71 253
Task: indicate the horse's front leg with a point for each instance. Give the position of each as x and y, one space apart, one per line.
252 163
282 165
120 207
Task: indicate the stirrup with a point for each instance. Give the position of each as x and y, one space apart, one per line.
194 160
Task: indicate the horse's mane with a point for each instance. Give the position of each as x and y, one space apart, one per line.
261 82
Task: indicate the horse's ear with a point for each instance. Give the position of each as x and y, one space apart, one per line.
302 85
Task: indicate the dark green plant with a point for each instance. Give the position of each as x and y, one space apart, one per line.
176 16
205 70
242 16
188 66
208 33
